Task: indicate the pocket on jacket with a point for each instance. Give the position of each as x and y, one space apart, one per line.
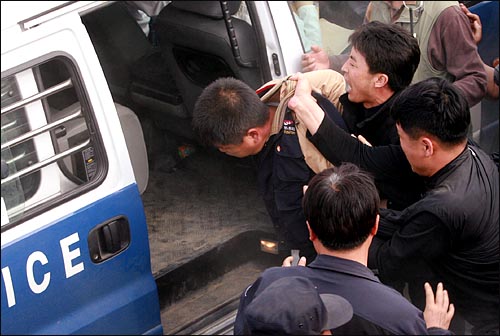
289 162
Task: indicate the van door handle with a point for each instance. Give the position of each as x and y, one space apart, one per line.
108 239
111 237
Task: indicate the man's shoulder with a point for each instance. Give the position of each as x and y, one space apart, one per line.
277 272
334 280
274 273
373 301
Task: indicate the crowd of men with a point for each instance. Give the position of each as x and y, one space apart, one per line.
373 176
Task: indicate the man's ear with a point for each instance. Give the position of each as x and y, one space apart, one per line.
254 134
374 230
312 235
381 80
428 146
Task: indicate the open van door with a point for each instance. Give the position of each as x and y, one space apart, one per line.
75 255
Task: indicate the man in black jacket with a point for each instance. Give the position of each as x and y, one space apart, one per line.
382 62
451 234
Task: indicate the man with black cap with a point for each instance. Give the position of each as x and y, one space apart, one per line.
302 312
341 205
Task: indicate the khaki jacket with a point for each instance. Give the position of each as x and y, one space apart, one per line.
329 83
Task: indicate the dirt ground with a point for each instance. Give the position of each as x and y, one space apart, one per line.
193 207
205 199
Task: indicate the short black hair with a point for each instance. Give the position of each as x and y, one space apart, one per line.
389 49
341 205
434 106
225 110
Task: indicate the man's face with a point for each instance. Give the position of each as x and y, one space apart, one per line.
360 82
413 150
246 148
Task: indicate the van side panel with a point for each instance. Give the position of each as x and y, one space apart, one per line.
55 288
75 253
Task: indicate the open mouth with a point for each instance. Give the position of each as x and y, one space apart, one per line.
347 87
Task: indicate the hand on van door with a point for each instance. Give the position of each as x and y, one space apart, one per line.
317 59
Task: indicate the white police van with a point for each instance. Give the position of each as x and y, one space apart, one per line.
75 250
112 212
75 254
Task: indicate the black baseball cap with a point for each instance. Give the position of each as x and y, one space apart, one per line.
293 305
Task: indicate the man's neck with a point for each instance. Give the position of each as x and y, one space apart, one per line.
379 98
359 254
268 125
444 158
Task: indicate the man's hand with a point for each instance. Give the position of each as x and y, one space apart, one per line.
438 311
362 139
303 87
287 262
475 23
304 104
316 59
302 93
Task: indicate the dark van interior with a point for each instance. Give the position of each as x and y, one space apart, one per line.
165 73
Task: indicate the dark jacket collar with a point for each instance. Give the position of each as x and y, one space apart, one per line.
341 265
442 174
363 115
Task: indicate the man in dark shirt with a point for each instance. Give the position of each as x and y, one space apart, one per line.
341 206
382 62
451 234
240 122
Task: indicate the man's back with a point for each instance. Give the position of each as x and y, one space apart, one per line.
457 237
451 234
378 309
474 256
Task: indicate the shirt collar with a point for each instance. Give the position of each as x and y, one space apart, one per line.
438 178
341 265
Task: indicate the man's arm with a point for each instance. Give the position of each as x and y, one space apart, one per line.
337 145
452 32
310 29
477 33
421 235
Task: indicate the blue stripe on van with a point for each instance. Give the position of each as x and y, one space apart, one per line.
117 296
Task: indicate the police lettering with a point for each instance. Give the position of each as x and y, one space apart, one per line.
68 254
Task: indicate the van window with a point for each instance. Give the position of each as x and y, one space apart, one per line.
50 148
306 17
